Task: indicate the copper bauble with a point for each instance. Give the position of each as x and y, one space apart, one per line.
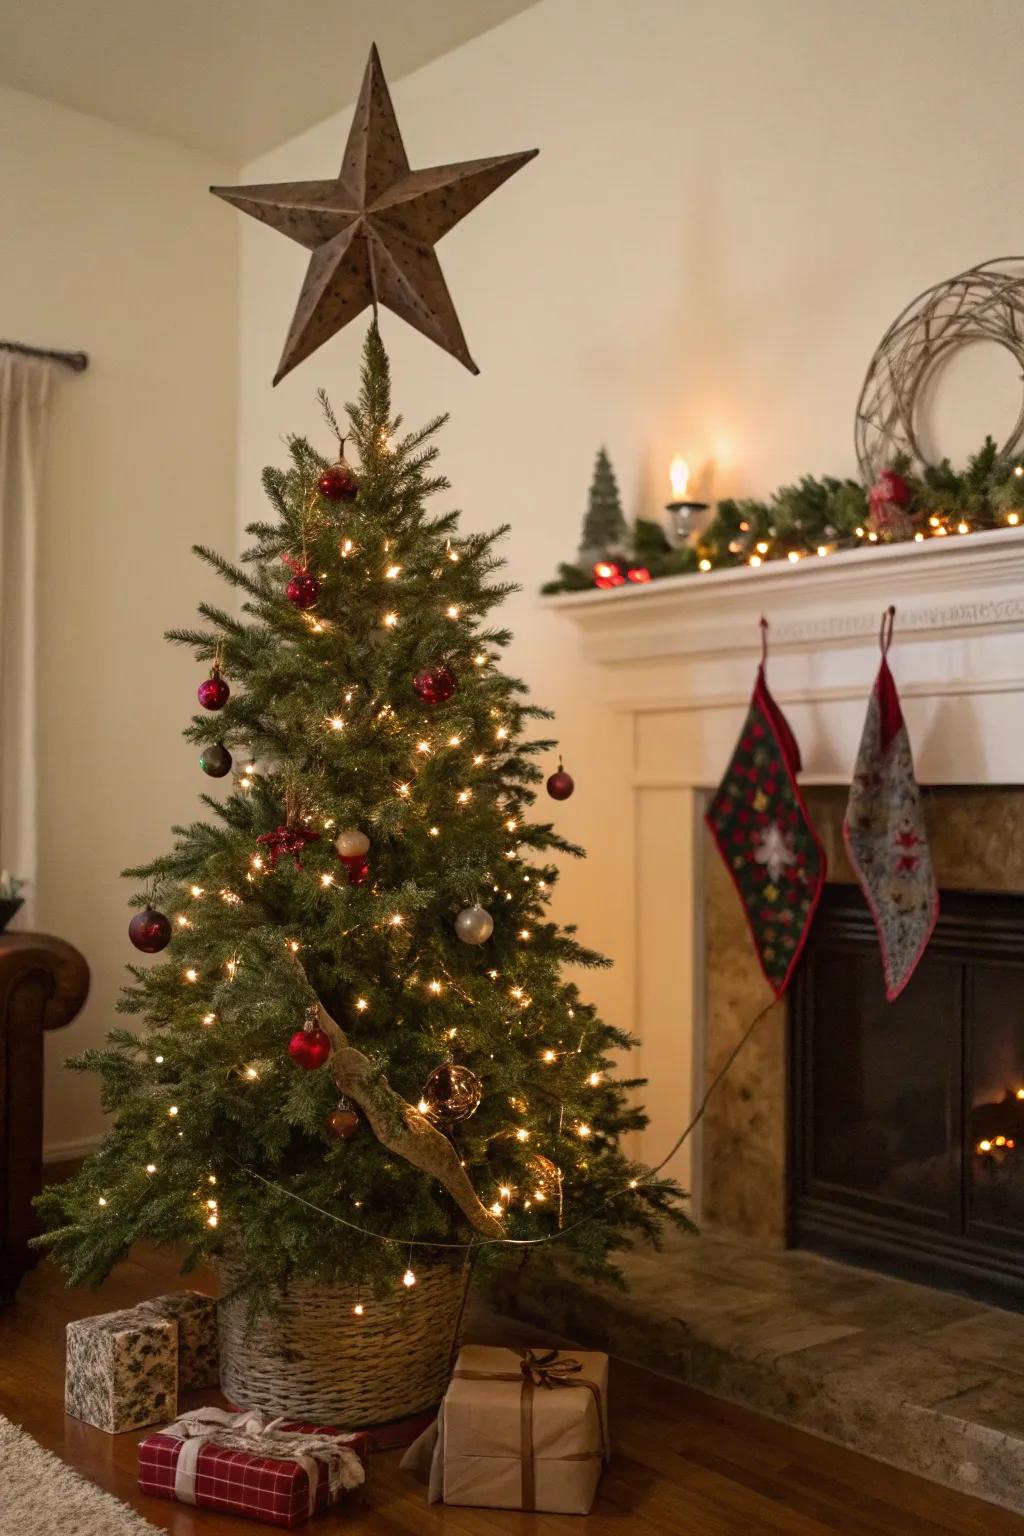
343 1123
452 1092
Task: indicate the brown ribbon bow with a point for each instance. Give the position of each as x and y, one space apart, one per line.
549 1370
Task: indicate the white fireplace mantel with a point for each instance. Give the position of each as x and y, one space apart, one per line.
675 661
685 646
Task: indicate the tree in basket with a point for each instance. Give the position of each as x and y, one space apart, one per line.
358 1037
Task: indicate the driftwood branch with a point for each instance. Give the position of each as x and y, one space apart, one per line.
401 1128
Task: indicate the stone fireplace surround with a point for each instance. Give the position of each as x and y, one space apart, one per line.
677 659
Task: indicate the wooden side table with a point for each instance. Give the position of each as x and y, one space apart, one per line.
43 984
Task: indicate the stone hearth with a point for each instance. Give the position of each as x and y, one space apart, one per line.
927 1381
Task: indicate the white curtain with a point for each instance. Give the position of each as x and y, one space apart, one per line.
26 385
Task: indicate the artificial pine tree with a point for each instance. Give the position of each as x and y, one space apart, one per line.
604 527
361 1016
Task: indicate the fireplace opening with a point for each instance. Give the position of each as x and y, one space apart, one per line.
907 1118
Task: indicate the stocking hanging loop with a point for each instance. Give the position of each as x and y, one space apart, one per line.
885 633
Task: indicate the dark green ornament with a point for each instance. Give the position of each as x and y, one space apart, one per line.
216 760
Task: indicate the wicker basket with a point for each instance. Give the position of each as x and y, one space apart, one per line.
314 1359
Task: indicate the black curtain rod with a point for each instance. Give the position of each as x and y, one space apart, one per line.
77 361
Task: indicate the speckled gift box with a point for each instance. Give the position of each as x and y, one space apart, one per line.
121 1370
196 1317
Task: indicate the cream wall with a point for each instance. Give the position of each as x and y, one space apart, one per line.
112 245
732 201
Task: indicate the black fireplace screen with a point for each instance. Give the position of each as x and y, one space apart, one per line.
907 1118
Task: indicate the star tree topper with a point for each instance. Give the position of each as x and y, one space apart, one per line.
373 229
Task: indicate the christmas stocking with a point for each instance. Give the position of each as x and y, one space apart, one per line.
885 833
763 831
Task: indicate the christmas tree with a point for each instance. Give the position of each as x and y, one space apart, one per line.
604 527
360 1036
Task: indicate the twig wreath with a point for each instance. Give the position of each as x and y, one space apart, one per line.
900 494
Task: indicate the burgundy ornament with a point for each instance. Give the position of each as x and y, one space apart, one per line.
309 1047
435 685
214 692
892 486
339 482
150 931
561 784
287 840
303 590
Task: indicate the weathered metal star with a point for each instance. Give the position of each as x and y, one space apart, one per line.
373 229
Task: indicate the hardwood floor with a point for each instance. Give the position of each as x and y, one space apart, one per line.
684 1464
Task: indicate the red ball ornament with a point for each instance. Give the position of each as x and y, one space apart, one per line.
310 1047
150 931
609 573
343 1123
892 486
435 685
561 784
638 573
339 483
214 692
357 867
303 590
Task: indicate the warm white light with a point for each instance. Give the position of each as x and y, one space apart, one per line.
211 1220
211 1178
762 548
392 573
859 532
480 660
151 1167
396 919
390 620
549 1056
452 610
754 560
293 945
1018 470
919 537
501 733
208 1019
524 934
704 565
358 1309
191 974
423 1107
423 746
183 921
435 832
102 1200
362 1004
251 1073
962 527
403 790
594 1079
522 1134
478 760
197 891
679 477
172 1111
336 723
326 880
497 1209
583 1130
159 1060
633 1183
822 550
1013 518
464 796
793 556
347 548
435 987
505 1192
408 1279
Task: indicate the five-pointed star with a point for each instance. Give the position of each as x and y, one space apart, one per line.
372 231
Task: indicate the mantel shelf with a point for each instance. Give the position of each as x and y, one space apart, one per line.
973 582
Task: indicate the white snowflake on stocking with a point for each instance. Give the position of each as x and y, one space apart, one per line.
774 850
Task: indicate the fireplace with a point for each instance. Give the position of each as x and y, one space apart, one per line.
906 1128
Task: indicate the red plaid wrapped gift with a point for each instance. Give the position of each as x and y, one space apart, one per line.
251 1464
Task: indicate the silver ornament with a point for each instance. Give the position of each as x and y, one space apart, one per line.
474 925
352 844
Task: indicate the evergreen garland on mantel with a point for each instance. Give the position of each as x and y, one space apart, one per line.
818 518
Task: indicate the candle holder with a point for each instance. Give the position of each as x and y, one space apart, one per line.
684 521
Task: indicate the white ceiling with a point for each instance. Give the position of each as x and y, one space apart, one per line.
229 77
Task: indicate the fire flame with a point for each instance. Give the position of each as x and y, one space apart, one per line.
679 475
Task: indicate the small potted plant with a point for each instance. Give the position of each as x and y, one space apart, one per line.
11 899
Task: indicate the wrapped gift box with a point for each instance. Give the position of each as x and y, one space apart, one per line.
524 1429
196 1317
121 1370
252 1464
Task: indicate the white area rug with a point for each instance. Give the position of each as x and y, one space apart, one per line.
40 1496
